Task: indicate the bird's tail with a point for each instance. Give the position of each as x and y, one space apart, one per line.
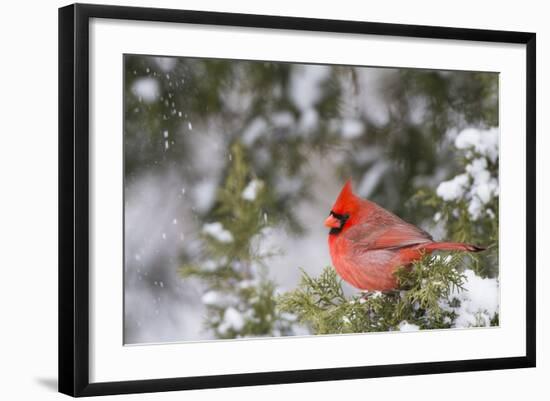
453 246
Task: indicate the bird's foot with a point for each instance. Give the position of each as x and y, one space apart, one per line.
366 295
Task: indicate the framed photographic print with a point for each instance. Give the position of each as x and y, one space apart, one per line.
250 199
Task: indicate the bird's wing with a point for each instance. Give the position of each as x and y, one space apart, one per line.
368 236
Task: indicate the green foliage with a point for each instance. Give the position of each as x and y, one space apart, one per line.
240 297
431 284
479 227
428 283
459 227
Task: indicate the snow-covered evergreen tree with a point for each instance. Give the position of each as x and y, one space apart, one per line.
239 295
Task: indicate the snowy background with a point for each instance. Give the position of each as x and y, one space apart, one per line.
305 128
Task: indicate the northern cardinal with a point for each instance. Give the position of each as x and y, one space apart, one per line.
368 243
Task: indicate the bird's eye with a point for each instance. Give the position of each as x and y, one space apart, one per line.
341 217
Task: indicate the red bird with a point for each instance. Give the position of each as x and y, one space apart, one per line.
368 243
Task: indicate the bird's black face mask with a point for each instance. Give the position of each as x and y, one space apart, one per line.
342 218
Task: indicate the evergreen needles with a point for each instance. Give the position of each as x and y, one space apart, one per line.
239 296
428 301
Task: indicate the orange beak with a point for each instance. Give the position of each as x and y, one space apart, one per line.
332 222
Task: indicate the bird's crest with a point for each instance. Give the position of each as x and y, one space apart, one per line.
347 201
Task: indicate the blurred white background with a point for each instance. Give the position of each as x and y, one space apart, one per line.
28 166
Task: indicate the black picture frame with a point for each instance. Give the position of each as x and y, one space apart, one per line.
74 191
